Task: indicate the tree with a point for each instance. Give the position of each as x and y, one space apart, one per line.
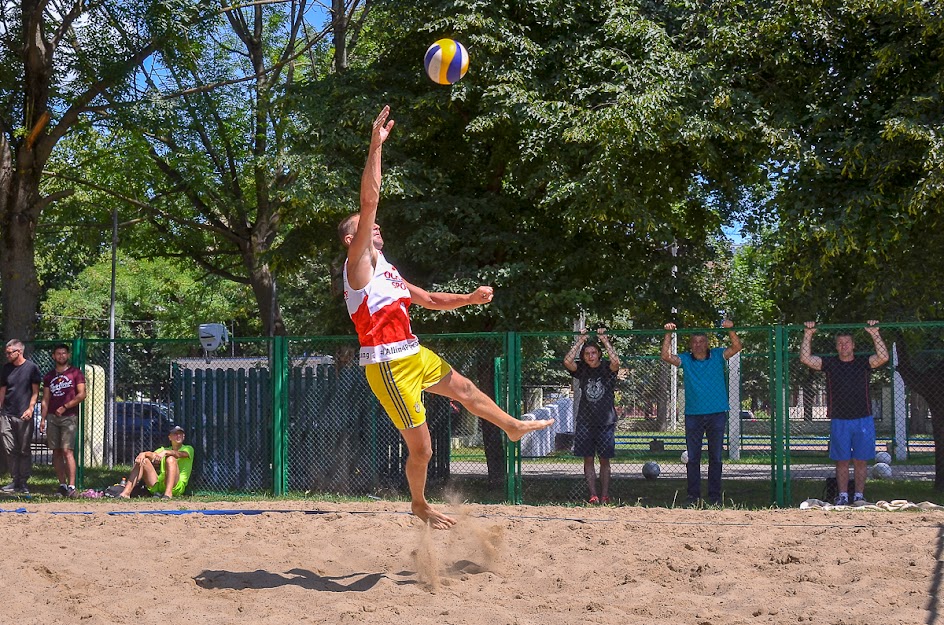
225 188
854 118
153 299
584 141
60 62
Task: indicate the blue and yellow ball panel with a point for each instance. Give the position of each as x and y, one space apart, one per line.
446 61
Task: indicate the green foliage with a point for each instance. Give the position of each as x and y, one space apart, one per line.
855 113
153 298
586 138
749 301
210 148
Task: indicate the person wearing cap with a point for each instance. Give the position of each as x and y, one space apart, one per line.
165 471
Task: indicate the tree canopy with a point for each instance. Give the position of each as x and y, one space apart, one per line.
584 142
588 162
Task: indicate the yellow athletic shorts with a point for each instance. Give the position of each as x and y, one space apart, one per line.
399 383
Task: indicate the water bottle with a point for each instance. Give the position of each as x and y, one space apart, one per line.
124 482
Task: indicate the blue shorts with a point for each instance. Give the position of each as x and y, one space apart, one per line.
852 439
595 441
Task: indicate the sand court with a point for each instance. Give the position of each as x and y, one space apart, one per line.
320 562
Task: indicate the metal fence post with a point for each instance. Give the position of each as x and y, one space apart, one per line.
778 422
513 407
78 361
279 385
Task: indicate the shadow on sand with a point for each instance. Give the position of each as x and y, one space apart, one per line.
236 580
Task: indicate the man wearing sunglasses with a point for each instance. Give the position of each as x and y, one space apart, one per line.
19 390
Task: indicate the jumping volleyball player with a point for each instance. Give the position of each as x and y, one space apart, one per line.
398 368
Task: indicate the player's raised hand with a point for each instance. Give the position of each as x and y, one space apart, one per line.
382 126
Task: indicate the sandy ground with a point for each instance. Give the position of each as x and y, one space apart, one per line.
373 563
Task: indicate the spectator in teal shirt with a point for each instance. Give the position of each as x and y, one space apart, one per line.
706 405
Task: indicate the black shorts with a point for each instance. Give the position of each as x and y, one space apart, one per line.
595 441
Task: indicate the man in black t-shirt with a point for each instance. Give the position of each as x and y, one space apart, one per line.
19 390
596 410
852 426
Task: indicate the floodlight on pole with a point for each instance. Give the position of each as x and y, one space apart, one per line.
212 337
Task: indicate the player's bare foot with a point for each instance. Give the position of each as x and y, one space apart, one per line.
432 517
523 427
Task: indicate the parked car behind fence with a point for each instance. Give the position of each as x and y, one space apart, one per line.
139 426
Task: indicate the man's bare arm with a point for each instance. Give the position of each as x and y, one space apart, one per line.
880 357
806 348
361 255
449 301
666 353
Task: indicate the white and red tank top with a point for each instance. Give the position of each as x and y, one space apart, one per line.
380 315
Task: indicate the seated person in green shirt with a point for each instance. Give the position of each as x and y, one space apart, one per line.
165 471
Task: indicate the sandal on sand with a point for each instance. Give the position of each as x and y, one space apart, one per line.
593 500
605 500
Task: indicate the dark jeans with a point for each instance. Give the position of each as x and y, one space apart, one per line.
710 426
16 436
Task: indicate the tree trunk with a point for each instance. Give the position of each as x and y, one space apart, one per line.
339 27
492 439
494 444
19 212
21 166
267 299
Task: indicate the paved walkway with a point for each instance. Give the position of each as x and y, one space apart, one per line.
633 470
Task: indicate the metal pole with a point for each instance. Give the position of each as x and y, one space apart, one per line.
110 390
673 382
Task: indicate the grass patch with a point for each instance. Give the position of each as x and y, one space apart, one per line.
567 491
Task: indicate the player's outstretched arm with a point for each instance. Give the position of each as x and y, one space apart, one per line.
449 301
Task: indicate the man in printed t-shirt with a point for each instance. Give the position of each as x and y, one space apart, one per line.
595 431
63 391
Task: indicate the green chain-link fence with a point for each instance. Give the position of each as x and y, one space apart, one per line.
903 394
295 415
650 408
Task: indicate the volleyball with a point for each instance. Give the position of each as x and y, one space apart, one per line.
881 471
684 457
650 470
883 457
446 61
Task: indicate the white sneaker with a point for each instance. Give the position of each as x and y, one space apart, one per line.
842 500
